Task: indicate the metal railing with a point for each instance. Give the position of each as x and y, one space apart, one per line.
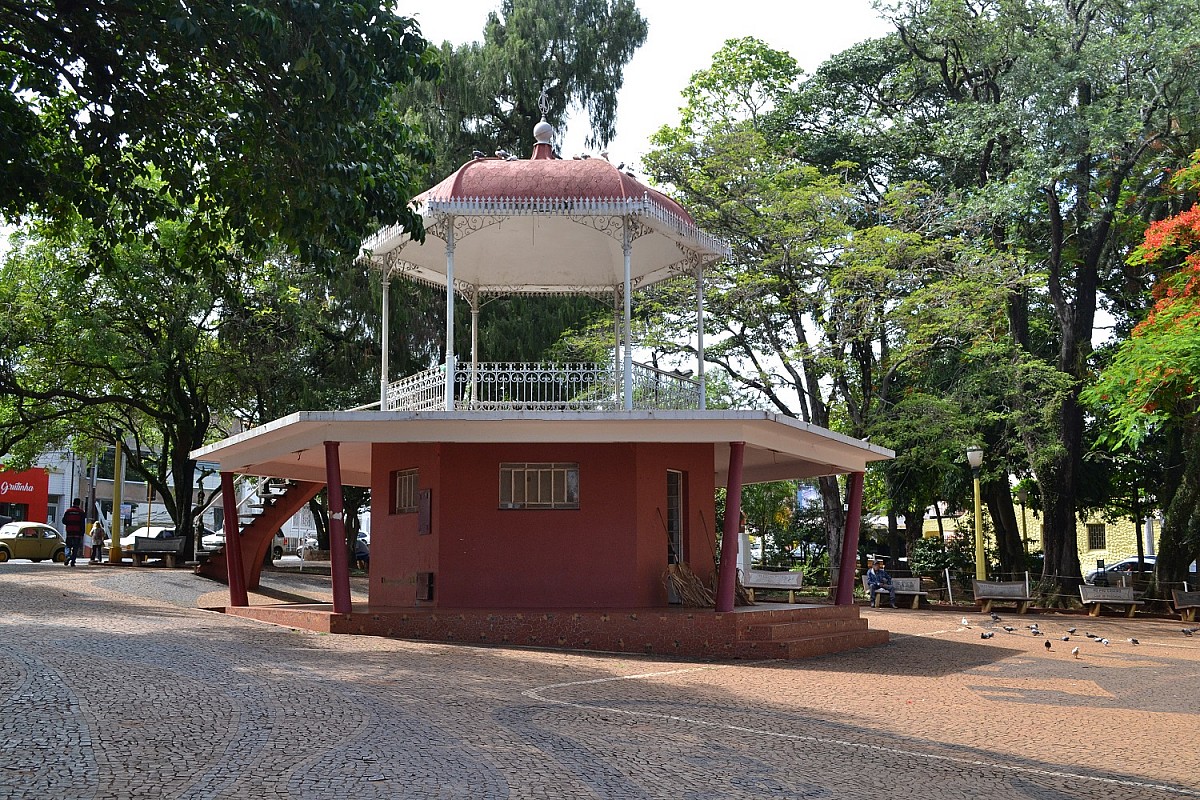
568 386
424 391
655 389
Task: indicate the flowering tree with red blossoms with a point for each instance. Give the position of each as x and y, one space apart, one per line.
1153 382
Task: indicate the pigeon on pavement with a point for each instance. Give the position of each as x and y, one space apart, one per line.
1133 641
986 635
1070 630
1075 652
1048 644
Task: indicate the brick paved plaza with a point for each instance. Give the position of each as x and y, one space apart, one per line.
116 686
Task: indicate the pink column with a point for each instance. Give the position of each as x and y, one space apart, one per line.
234 570
848 572
727 580
339 562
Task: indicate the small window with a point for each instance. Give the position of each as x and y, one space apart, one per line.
404 491
1095 532
539 485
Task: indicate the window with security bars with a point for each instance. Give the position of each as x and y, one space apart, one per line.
539 485
404 491
1095 533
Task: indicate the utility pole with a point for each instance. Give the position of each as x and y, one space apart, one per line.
114 548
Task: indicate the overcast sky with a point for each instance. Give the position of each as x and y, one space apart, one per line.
682 39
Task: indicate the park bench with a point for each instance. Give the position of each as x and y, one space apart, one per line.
1097 596
779 581
908 587
168 549
1185 604
988 593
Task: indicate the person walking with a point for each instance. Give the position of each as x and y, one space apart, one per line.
74 524
97 542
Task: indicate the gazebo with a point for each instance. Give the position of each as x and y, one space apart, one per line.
545 226
502 489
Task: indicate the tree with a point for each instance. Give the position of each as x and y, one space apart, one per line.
131 358
805 316
488 93
1051 121
254 122
1153 382
769 510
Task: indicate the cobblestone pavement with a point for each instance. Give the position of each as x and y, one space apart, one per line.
116 686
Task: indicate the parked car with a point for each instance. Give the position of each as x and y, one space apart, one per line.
32 540
216 540
148 532
1120 572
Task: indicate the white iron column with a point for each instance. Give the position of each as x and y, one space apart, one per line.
383 344
474 300
616 311
700 333
627 252
450 313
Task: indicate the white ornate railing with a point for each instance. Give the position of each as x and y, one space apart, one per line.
425 391
653 388
571 386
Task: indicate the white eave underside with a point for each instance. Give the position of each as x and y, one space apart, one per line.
777 447
544 246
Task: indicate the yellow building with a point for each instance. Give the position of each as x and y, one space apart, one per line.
1099 539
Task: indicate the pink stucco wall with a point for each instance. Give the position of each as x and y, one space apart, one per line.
609 553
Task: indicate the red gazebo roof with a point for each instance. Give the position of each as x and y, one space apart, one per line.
545 225
545 179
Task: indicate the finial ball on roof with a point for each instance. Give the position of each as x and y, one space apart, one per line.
543 132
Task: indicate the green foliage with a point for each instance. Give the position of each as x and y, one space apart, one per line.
487 96
932 556
247 122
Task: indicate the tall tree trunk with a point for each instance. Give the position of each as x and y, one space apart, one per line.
835 519
1179 543
998 497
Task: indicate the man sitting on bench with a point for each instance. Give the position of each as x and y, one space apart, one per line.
878 581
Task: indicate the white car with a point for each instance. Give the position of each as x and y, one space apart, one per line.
216 541
146 531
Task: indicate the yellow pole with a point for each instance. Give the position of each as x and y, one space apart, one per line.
980 559
114 545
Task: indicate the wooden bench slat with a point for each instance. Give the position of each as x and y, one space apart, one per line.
167 549
1097 596
782 581
1185 604
988 593
909 587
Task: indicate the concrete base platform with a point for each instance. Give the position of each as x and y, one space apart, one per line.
797 631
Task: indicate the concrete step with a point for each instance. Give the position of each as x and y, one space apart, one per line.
778 631
786 612
809 646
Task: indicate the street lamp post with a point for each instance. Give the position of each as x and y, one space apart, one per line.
975 459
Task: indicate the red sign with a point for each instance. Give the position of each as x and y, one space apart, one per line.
30 488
